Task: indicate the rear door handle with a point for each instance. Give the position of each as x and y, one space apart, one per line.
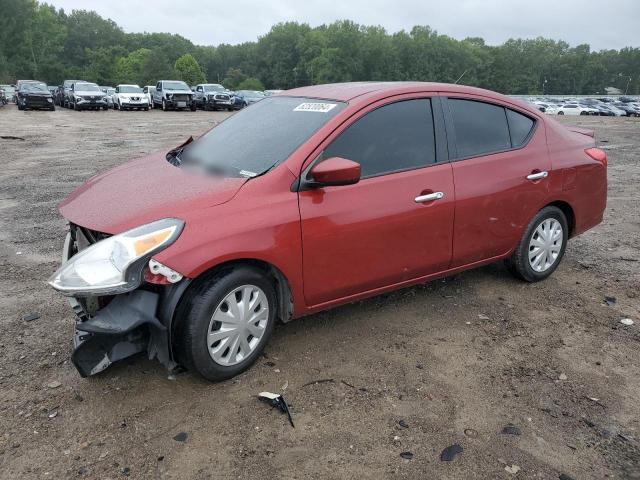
429 197
537 176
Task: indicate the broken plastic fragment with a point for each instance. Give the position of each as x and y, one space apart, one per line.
181 437
277 401
449 453
511 429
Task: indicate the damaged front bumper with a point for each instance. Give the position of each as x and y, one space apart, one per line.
108 329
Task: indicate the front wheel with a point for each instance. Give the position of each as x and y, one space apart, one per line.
542 246
560 113
227 321
164 105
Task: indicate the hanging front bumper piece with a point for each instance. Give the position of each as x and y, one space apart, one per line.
112 328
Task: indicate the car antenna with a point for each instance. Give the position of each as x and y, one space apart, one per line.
460 77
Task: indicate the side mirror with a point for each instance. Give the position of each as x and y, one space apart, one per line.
335 171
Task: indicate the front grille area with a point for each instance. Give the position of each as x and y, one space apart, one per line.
224 98
84 237
37 100
181 97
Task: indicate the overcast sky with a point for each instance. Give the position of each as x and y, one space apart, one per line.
600 23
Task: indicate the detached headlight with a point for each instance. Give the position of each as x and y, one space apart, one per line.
116 264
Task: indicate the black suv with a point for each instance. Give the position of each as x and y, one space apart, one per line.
34 95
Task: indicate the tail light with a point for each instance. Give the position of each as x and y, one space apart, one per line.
597 154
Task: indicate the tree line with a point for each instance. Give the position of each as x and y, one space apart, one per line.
38 41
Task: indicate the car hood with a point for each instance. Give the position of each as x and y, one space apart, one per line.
179 92
89 93
142 191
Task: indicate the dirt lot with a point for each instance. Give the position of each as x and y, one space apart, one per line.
457 360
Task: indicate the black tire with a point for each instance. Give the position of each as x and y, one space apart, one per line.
53 109
560 113
519 264
164 105
196 311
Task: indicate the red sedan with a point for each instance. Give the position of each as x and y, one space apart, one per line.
313 198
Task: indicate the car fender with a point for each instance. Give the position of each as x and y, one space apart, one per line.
261 223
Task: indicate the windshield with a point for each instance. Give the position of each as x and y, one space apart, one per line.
111 91
256 139
86 87
34 87
213 88
175 86
130 89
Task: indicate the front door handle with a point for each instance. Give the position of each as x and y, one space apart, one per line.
537 176
429 197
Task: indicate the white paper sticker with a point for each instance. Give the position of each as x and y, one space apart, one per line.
314 107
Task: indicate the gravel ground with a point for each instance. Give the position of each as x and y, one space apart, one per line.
455 360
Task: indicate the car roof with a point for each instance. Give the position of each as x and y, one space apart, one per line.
347 92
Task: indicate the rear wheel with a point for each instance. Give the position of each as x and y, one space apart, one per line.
227 321
542 246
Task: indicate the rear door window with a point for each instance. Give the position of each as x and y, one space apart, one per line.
395 137
480 128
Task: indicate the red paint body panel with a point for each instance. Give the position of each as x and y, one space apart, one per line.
371 234
343 243
142 191
494 199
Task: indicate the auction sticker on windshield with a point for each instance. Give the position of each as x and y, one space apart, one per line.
314 107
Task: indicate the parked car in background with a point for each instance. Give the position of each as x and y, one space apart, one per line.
9 92
173 95
108 91
129 97
249 97
148 91
337 193
237 102
88 96
34 96
3 97
212 96
591 109
268 93
67 92
615 110
573 109
627 108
